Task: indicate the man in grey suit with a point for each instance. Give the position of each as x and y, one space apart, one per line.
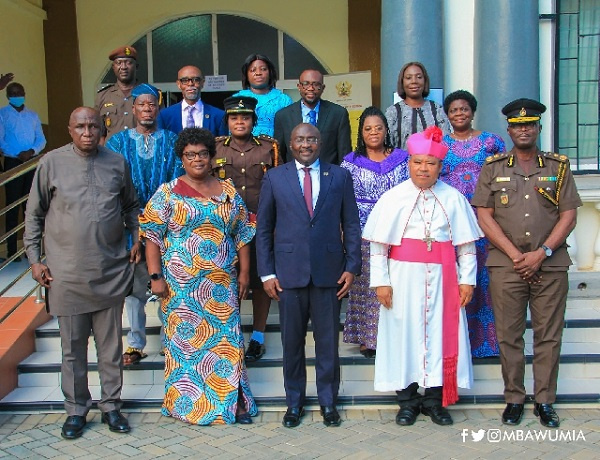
331 120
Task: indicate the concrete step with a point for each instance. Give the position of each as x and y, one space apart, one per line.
579 381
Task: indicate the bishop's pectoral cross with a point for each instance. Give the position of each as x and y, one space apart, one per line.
428 240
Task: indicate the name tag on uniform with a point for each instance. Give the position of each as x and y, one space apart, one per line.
108 104
502 179
547 178
221 161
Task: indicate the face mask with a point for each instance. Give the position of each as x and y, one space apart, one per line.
17 101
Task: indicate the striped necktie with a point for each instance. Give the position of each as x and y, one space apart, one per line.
190 123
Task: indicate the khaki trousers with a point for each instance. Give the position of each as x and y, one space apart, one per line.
547 302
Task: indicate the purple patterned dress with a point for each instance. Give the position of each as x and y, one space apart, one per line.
461 170
371 180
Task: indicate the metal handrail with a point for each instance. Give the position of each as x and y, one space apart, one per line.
5 178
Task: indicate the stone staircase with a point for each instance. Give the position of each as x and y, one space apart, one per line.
579 378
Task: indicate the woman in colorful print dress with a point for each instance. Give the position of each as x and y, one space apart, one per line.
196 228
375 167
468 149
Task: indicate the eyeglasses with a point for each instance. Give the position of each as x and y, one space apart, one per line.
316 85
202 154
192 80
308 140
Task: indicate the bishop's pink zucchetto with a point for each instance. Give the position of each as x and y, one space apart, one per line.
427 142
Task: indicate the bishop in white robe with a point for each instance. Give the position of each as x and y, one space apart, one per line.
423 266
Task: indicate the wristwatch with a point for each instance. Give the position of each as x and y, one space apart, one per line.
156 276
547 250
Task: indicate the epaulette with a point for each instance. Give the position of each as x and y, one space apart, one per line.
225 139
556 157
496 157
264 137
104 89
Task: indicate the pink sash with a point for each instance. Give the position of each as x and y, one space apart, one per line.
441 253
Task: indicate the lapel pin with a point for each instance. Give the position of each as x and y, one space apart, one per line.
326 173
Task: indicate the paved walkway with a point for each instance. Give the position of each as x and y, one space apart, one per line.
363 434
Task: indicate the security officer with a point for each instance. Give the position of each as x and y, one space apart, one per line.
245 159
527 206
114 102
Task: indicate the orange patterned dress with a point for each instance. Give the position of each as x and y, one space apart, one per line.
205 374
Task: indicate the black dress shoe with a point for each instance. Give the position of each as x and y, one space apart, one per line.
513 413
547 415
243 419
255 351
292 416
73 427
116 421
330 416
407 415
438 414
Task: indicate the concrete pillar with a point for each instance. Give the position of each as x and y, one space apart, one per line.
411 30
506 59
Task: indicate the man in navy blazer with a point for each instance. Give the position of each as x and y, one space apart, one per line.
331 120
308 252
191 111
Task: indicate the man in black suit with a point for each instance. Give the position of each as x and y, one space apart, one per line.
331 120
308 252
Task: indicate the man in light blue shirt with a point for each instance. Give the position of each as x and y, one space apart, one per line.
21 138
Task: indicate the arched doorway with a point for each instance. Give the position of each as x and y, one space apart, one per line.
218 44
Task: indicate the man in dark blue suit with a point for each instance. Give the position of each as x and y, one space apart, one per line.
191 111
331 120
308 252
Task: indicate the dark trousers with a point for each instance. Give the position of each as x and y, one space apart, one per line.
322 307
14 190
410 397
74 335
547 302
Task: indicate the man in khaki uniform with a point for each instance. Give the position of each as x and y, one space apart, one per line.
114 102
527 206
245 159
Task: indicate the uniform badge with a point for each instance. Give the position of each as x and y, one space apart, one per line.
502 179
523 112
504 197
221 161
108 104
107 122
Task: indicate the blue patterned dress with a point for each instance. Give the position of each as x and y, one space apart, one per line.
461 170
204 357
268 105
371 179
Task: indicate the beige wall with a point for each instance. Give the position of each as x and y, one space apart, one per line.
325 33
22 50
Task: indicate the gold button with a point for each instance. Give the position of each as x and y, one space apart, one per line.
527 178
243 187
526 197
527 214
527 234
242 154
243 170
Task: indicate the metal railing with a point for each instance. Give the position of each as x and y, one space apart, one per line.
6 178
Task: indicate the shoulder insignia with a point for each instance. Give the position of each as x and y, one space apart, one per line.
556 157
264 137
220 138
495 157
104 89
